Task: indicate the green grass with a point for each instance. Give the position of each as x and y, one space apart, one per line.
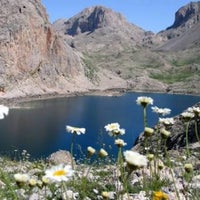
173 77
185 61
90 69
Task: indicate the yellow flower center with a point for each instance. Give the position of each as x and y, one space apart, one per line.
60 172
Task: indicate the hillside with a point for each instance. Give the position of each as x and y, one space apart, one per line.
97 49
147 61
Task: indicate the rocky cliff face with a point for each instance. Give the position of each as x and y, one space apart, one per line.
93 18
187 20
33 59
187 16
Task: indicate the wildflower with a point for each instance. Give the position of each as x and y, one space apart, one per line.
195 110
159 195
105 195
117 132
166 121
161 111
75 130
164 133
114 129
188 167
40 184
160 165
103 153
108 195
69 194
59 173
120 143
32 182
148 131
91 151
135 159
187 115
21 179
144 101
150 156
4 110
45 180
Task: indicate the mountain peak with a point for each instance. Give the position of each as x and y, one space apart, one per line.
93 18
187 15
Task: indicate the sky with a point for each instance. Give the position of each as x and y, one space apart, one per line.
150 15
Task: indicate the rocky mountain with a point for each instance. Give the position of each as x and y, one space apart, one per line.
147 61
33 59
99 26
184 33
185 18
97 49
109 42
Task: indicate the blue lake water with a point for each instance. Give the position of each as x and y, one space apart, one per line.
41 129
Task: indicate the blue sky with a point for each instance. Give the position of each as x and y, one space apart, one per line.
151 15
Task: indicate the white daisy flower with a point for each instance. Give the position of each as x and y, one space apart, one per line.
195 110
161 111
4 110
187 115
120 143
144 101
21 178
75 130
117 132
59 173
166 121
135 159
112 127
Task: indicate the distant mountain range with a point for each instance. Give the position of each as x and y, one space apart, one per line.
97 49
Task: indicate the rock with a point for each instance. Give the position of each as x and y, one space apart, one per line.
60 157
33 58
177 138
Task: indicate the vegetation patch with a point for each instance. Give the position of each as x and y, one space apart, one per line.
173 77
90 69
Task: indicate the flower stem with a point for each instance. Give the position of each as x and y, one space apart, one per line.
187 142
71 150
145 117
196 131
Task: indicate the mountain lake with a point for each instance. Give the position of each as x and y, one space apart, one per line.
40 128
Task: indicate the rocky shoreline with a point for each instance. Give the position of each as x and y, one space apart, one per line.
20 101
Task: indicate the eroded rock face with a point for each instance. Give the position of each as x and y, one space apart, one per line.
97 17
186 18
31 52
177 137
187 15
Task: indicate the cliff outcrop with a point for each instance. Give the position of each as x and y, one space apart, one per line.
33 58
